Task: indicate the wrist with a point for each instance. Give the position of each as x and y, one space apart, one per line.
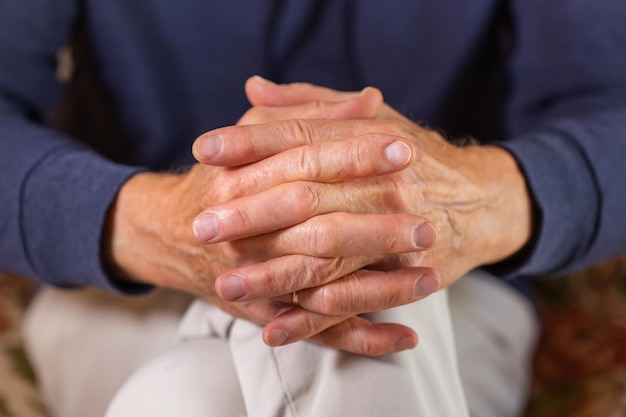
134 224
504 225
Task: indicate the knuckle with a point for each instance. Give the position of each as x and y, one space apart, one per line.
370 348
398 298
345 298
319 270
390 241
330 303
299 128
363 159
313 323
241 217
365 345
359 159
398 237
268 282
308 196
321 241
307 163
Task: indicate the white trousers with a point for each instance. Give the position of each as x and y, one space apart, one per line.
85 344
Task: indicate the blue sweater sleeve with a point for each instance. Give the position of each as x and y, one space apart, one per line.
567 124
55 191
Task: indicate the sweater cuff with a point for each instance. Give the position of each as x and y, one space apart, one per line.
565 198
65 200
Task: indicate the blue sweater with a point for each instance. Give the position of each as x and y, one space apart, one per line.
544 79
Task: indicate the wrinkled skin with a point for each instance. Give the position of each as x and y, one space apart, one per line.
332 194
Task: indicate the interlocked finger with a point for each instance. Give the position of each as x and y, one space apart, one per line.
291 204
352 334
367 291
362 156
262 92
348 234
341 235
360 336
283 275
239 145
363 105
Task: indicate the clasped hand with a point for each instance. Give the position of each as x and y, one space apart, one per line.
334 195
348 199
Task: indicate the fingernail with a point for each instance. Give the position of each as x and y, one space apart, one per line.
277 337
205 227
398 153
209 146
424 236
263 80
405 343
426 285
232 288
